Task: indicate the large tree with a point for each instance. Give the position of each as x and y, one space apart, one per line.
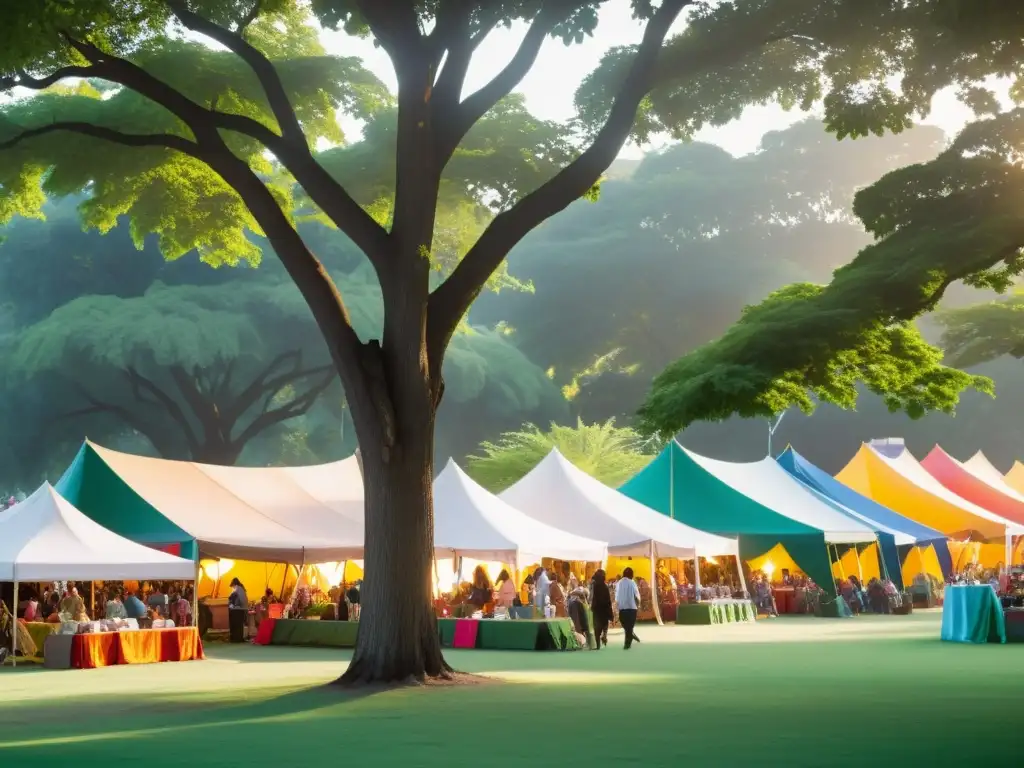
977 334
204 127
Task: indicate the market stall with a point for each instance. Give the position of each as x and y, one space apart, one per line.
45 538
470 521
561 495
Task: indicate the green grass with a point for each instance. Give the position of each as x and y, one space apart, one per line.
789 692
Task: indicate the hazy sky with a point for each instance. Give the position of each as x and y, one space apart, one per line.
551 85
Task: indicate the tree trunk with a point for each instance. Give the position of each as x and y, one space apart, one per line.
398 640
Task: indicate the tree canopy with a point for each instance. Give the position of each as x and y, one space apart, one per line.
609 453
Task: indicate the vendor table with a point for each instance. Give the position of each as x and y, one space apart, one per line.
972 614
515 634
146 646
320 634
716 612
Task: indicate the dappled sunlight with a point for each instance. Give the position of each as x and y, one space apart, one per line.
559 677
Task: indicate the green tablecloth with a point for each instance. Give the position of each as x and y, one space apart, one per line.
972 614
715 612
516 634
323 634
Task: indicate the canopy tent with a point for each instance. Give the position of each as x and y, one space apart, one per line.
884 470
272 514
564 496
560 494
1015 477
44 538
472 522
904 530
759 502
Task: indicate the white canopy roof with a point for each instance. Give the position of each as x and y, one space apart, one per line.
301 514
475 523
44 538
559 494
771 486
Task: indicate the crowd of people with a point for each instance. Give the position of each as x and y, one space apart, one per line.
564 596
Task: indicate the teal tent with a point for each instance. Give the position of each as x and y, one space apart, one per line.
679 484
266 514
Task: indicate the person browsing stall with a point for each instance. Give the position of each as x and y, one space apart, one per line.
134 608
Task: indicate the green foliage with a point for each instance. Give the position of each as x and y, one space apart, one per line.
162 192
955 218
609 453
980 333
846 53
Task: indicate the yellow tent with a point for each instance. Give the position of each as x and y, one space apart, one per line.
900 483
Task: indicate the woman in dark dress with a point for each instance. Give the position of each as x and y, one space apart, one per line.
601 607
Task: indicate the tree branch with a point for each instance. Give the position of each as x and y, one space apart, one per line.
164 140
24 80
396 26
452 34
261 66
126 416
291 146
204 409
140 385
470 111
297 406
258 385
452 299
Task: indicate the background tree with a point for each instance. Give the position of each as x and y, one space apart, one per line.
983 332
675 251
955 218
211 117
609 453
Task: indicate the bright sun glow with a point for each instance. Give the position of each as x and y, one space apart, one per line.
769 569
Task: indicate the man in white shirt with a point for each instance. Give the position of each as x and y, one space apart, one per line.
542 585
627 597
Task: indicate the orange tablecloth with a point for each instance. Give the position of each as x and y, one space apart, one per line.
147 646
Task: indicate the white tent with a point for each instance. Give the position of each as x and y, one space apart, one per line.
559 494
771 486
472 522
44 538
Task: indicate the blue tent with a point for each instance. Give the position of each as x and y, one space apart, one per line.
871 511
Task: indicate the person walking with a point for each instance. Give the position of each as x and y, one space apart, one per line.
600 607
627 597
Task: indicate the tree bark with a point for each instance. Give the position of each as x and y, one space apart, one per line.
398 640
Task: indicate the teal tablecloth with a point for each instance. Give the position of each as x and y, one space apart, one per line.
972 614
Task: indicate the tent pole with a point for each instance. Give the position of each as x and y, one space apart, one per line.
696 576
739 570
14 625
1009 553
195 588
860 571
654 585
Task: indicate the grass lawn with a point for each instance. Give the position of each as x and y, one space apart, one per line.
788 692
